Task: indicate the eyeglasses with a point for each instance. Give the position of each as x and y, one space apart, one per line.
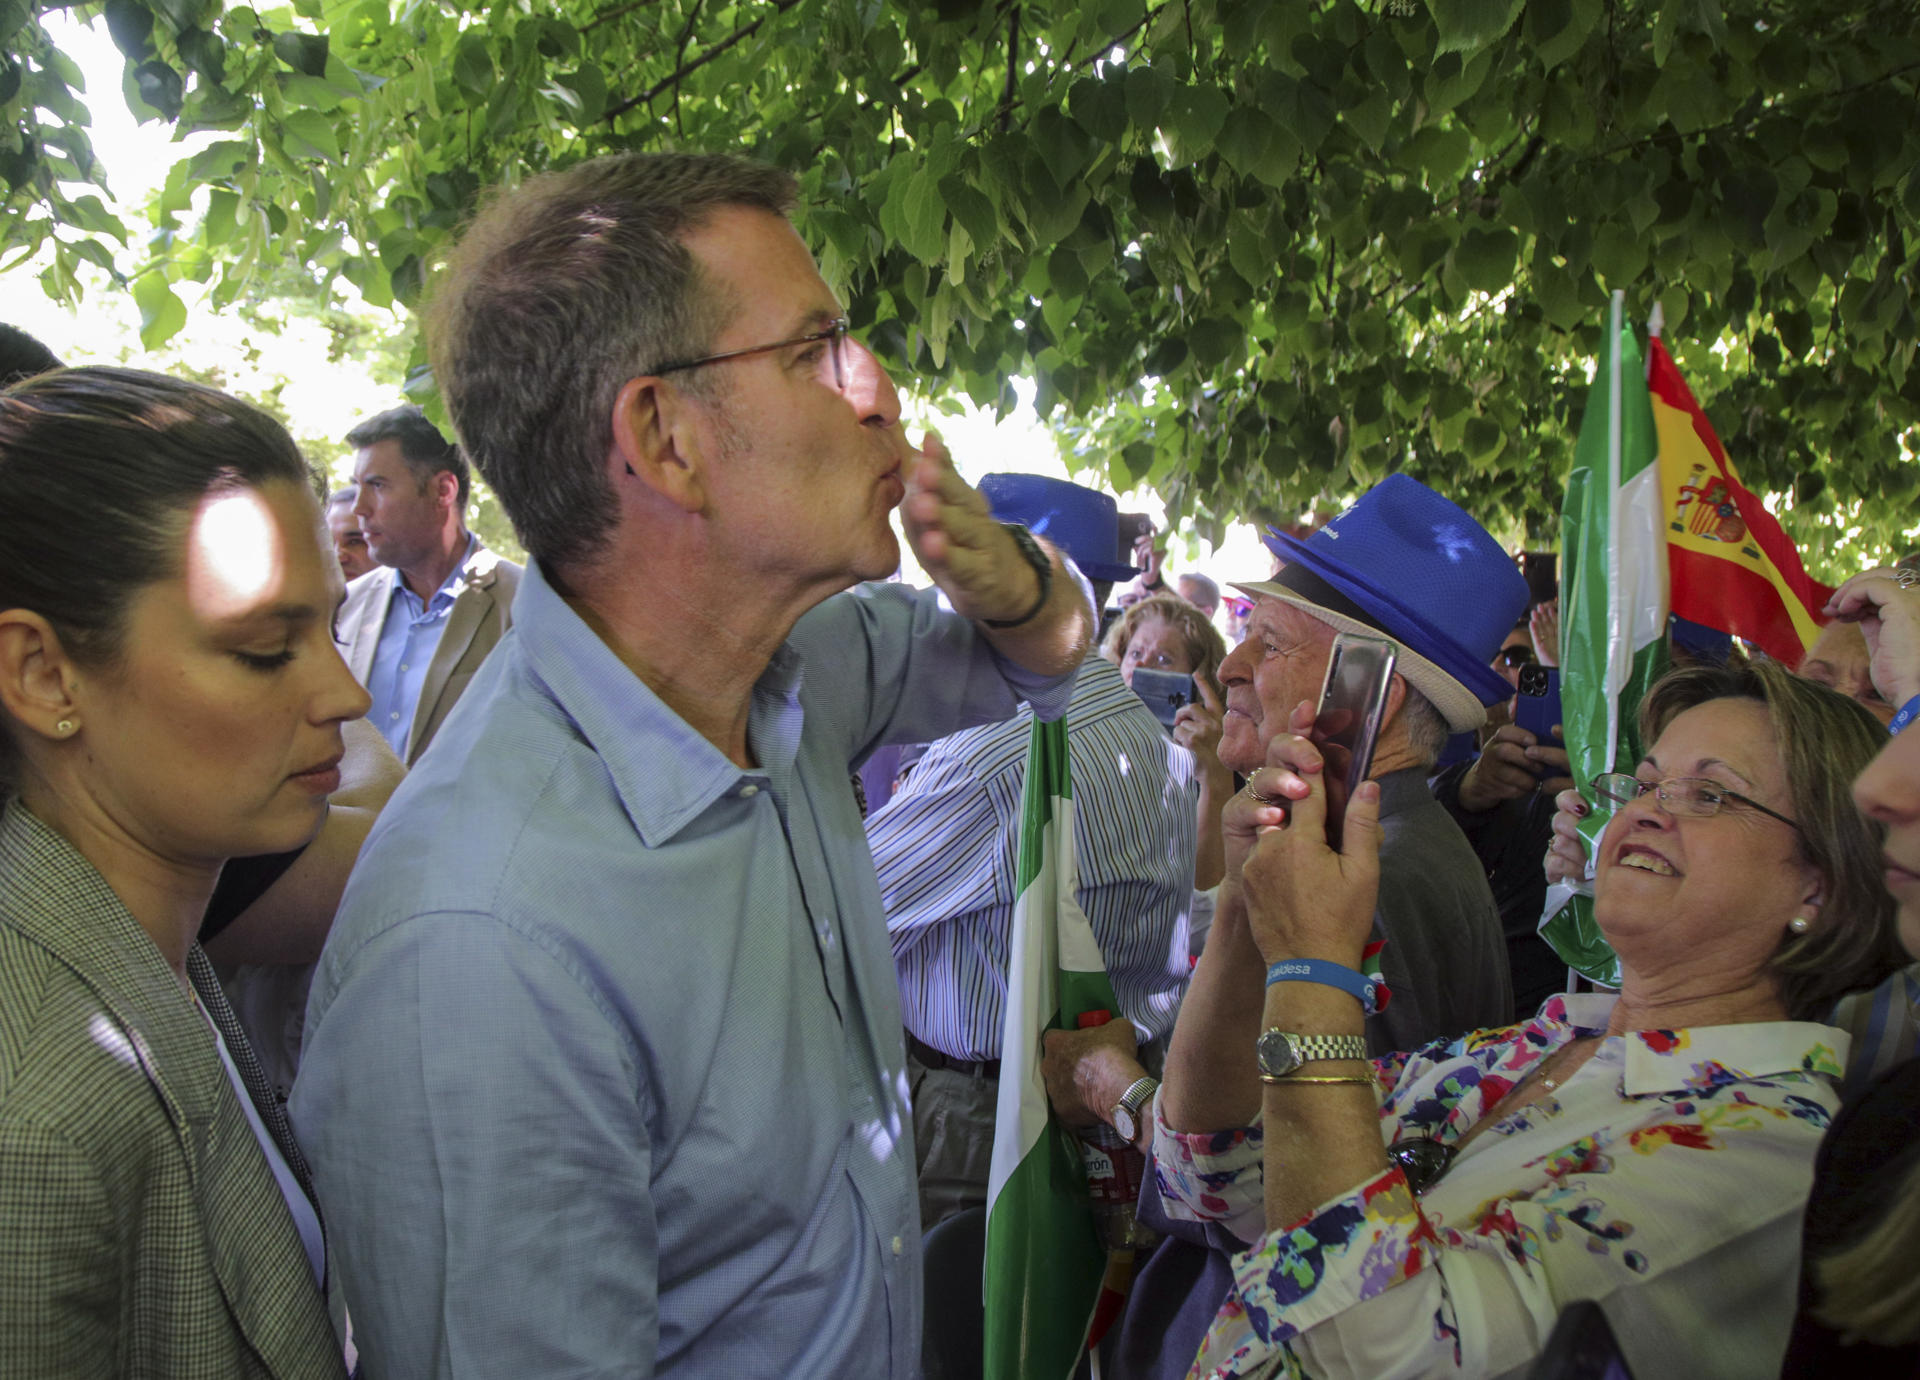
835 336
1692 797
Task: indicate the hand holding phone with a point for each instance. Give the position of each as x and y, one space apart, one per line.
1346 726
1537 709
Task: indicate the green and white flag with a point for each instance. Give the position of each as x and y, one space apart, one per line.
1044 1259
1613 611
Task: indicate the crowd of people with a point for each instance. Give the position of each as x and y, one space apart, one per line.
417 965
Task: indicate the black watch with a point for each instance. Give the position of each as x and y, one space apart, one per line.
1042 567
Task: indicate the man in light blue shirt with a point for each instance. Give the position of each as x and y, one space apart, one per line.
604 1072
416 629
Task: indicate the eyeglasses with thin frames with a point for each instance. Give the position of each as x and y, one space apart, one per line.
1689 797
835 336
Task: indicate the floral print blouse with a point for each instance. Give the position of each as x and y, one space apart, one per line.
1665 1179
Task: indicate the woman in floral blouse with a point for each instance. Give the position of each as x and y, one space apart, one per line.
1433 1214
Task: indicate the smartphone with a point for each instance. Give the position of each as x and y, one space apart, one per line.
1133 526
1353 701
1164 692
1538 708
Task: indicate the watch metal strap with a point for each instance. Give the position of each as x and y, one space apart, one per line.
1138 1094
1312 1047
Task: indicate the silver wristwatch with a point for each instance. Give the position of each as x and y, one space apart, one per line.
1281 1052
1126 1112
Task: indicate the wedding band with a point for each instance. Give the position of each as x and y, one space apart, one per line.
1264 799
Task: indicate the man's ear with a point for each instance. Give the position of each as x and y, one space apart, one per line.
38 684
446 490
657 441
1396 696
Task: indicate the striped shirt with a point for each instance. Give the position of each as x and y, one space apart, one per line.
945 850
1885 1025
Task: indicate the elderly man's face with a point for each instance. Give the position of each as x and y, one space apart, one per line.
1281 662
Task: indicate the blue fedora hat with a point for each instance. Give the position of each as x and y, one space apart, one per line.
1409 563
1082 522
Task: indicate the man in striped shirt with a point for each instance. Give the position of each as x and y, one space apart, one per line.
945 849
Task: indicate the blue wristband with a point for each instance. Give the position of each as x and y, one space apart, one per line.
1328 975
1908 713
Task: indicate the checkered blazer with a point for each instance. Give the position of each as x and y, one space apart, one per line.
142 1233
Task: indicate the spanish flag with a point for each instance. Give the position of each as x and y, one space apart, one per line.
1729 566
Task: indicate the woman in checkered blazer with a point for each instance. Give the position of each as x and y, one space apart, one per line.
172 698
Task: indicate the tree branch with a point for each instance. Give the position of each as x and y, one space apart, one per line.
1013 67
607 16
686 69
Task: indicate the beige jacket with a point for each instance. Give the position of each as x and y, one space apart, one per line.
482 613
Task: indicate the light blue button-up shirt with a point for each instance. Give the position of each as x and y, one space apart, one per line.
603 1070
409 636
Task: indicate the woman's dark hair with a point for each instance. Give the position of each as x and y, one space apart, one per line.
99 469
1825 740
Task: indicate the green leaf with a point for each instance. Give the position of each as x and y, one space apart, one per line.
1558 29
590 85
1199 113
1147 94
218 226
161 313
204 53
924 224
130 25
1254 146
1062 144
473 64
309 134
1484 259
1100 107
1370 118
302 52
971 209
1215 338
160 87
1467 26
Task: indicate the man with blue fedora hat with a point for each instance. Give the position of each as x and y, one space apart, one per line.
1411 565
1407 564
945 848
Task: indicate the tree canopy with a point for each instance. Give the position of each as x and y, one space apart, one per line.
1256 253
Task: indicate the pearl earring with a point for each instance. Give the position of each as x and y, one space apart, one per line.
1799 924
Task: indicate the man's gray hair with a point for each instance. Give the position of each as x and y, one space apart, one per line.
1426 729
561 291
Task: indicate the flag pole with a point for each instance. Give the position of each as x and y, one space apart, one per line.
1619 653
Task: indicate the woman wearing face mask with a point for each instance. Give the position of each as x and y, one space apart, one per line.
172 698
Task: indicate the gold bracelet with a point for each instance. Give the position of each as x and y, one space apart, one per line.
1282 1080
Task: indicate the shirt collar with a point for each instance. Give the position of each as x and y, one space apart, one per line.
664 773
1706 1057
449 588
1702 1058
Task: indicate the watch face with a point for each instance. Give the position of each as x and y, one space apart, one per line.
1125 1122
1276 1054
